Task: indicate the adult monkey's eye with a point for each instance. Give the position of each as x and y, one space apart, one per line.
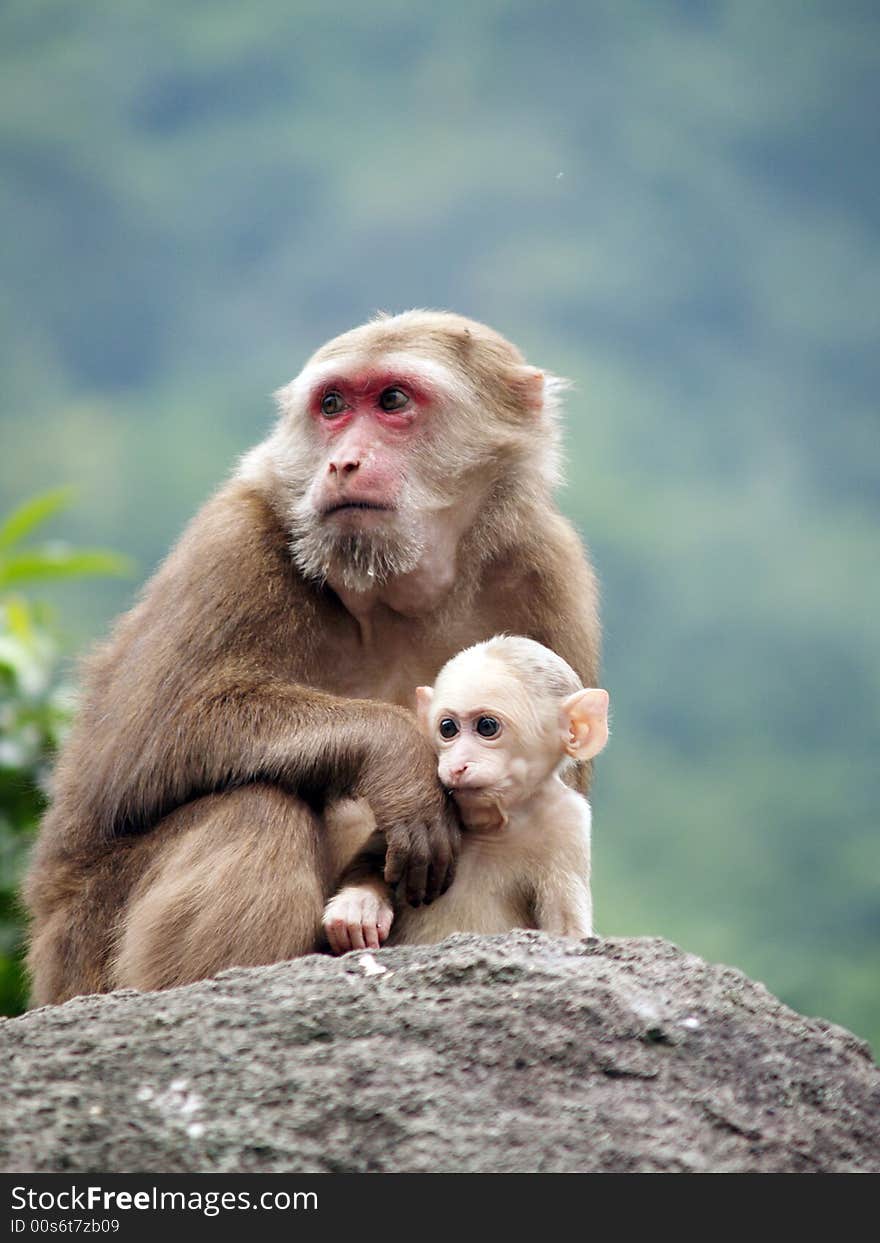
448 728
488 727
393 399
332 404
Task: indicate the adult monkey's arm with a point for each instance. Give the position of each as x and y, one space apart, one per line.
188 698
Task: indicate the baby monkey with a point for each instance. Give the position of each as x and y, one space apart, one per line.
507 717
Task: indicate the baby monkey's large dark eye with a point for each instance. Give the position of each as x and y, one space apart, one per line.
393 399
488 727
332 404
448 728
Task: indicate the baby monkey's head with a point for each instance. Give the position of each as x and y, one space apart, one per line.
507 714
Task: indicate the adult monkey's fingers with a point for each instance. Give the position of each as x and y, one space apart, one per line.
446 845
396 855
445 878
437 873
416 877
418 857
444 842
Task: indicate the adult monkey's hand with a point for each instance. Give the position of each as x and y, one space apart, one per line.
422 853
417 821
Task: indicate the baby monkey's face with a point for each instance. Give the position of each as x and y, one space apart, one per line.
501 725
492 738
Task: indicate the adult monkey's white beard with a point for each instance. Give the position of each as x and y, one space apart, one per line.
357 560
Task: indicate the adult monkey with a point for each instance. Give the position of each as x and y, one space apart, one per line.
400 511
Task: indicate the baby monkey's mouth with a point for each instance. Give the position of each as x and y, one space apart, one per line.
481 808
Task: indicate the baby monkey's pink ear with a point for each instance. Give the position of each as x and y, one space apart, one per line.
583 723
424 699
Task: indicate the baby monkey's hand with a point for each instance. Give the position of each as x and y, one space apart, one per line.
359 917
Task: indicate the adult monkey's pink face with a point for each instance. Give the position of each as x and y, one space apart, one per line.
392 439
369 422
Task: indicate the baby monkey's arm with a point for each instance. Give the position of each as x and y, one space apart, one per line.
359 916
563 906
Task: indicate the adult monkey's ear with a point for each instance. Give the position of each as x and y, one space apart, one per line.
530 382
539 391
424 699
583 723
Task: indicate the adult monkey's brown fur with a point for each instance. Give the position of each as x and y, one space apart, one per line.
400 511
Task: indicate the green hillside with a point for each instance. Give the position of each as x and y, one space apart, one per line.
677 205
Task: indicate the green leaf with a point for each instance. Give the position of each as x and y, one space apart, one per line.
32 513
19 619
61 561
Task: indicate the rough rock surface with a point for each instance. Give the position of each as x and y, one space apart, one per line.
514 1053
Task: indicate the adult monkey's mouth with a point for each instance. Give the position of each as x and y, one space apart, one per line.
342 506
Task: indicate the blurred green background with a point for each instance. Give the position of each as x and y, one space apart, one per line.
675 204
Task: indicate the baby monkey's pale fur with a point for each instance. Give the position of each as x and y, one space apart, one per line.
506 717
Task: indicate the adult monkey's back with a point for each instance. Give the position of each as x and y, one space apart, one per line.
400 511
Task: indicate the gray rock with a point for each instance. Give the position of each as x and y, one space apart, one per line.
513 1053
